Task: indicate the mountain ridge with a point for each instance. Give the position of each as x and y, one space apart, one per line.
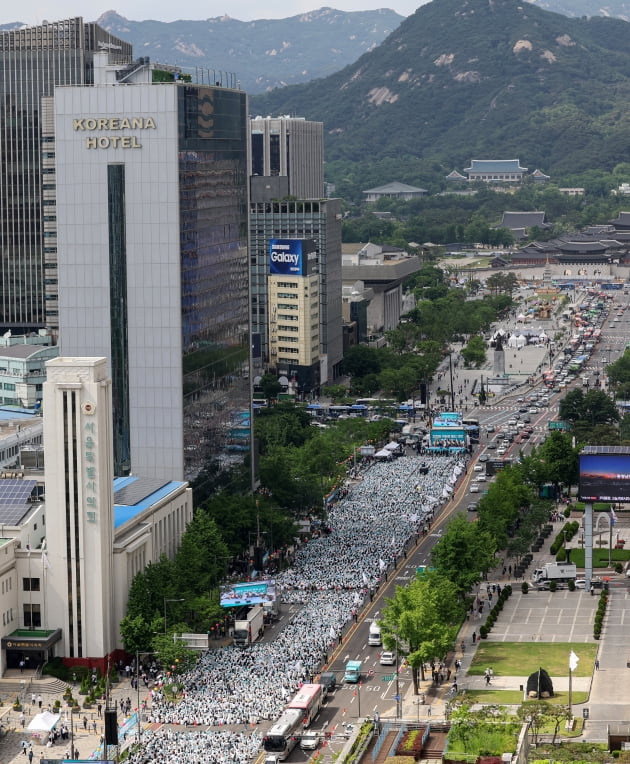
483 78
264 53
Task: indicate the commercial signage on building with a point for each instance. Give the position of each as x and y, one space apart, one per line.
101 124
90 461
292 257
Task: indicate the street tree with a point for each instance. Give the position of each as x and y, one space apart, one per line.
596 407
270 386
173 654
148 589
399 382
202 558
534 713
421 621
474 353
136 633
559 459
360 360
464 553
404 338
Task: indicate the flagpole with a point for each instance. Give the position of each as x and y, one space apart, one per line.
611 521
573 664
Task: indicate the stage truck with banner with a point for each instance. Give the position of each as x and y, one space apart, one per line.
448 433
605 473
252 593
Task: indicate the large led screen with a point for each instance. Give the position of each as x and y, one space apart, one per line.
605 477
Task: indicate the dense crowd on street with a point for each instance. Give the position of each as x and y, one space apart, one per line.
370 528
196 747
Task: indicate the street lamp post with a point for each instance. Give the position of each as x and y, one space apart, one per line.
139 718
167 599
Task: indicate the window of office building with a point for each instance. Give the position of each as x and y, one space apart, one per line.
32 616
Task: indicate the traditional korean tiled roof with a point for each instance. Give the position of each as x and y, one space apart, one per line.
514 220
396 188
495 165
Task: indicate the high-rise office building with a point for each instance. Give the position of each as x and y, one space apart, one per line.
286 190
291 148
32 62
294 326
153 269
316 219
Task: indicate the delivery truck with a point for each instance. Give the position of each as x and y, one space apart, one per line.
554 571
247 630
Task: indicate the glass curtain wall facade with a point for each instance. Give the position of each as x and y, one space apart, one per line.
32 62
213 135
118 309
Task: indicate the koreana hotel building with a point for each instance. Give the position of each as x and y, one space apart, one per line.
151 208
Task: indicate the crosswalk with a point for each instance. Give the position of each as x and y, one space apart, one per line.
553 407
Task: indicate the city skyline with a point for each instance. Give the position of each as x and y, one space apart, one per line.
34 12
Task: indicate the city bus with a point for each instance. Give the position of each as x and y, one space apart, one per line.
472 429
337 411
284 734
309 700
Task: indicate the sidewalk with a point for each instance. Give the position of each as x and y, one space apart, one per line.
86 739
560 616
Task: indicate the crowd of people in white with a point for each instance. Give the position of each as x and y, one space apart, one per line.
332 575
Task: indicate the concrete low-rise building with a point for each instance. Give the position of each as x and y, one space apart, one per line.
22 373
374 273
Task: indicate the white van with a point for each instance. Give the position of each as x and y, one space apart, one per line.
374 637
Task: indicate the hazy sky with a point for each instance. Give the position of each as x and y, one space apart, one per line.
35 11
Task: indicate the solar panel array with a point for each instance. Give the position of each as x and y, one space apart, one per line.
138 490
606 450
15 501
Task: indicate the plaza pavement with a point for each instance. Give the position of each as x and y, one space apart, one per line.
544 616
85 740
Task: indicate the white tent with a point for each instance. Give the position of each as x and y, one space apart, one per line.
44 722
521 340
513 341
392 446
383 454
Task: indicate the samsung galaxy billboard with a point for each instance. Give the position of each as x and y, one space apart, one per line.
292 257
605 475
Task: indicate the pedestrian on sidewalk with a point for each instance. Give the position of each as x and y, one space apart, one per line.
474 637
429 710
597 664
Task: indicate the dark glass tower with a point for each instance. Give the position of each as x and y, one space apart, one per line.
32 62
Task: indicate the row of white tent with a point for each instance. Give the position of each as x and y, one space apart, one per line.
387 452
